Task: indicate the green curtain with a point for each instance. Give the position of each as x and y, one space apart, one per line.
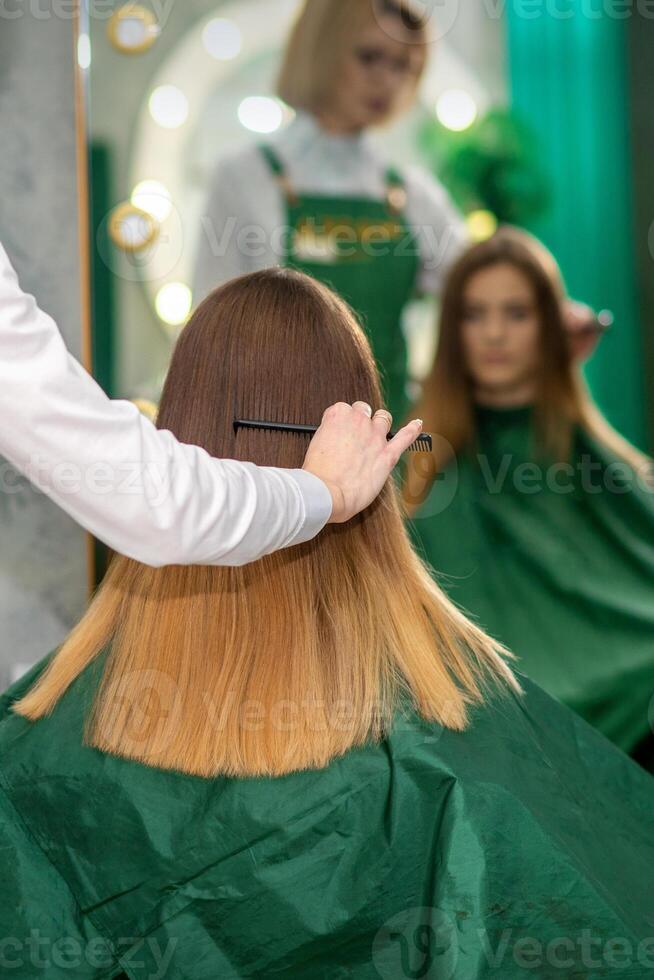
569 80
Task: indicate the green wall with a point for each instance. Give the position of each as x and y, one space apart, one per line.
569 78
641 65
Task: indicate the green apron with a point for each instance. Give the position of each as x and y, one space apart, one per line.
523 846
565 579
365 251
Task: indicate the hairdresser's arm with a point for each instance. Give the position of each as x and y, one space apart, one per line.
136 488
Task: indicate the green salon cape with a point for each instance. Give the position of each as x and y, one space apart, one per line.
557 562
521 847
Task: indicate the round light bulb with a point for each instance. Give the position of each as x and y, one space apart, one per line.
173 303
154 197
169 106
222 39
261 114
481 225
456 110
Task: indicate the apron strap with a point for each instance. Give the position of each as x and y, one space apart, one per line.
396 195
279 172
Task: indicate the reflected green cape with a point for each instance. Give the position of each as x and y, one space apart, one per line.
556 563
523 846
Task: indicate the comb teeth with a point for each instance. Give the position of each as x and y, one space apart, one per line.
423 444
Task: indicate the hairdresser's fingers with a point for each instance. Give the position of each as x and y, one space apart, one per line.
579 316
363 407
583 328
402 440
382 420
355 458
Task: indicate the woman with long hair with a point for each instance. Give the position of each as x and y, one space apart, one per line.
313 765
536 514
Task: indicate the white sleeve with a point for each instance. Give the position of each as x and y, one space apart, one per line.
441 232
240 223
135 487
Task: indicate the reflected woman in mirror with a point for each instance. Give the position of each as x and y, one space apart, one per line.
312 765
321 197
537 514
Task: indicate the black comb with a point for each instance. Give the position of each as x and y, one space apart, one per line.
423 444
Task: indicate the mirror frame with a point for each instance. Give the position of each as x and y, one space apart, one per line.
83 219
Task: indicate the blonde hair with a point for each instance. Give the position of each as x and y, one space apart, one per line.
322 32
350 622
562 401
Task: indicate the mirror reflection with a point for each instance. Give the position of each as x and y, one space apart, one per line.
262 132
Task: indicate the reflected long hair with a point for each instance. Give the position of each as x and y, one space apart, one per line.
285 663
562 399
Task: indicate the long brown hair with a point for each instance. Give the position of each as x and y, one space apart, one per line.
321 641
562 400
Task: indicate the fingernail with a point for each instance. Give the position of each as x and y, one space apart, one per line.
419 421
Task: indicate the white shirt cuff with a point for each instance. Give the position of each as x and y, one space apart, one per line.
318 504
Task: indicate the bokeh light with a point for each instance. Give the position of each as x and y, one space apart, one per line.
481 225
456 109
84 52
173 303
222 39
261 114
154 197
169 106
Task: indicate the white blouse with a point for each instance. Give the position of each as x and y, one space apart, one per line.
242 227
135 487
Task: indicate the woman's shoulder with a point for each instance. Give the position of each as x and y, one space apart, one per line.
613 470
240 169
529 744
425 190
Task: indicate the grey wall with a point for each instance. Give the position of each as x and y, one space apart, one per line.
42 557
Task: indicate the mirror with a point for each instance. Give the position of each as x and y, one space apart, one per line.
204 89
